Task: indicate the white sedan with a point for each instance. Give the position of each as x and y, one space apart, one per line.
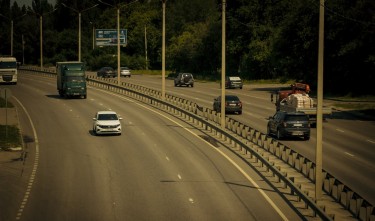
125 72
106 122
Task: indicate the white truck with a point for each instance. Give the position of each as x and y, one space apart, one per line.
8 70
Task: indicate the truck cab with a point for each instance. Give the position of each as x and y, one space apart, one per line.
8 70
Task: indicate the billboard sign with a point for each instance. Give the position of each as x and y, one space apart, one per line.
108 37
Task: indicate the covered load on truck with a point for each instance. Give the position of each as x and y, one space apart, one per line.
297 99
71 79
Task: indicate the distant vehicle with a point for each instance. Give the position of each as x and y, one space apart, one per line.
186 79
232 104
106 72
71 79
8 70
233 82
289 124
125 72
106 122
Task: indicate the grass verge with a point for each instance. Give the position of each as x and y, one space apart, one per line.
9 137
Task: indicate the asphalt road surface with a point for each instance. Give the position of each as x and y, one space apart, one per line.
348 141
158 169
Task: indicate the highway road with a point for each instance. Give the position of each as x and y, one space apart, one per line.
158 169
348 141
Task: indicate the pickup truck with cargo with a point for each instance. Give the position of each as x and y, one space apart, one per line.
298 100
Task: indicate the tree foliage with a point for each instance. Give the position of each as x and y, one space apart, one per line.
265 39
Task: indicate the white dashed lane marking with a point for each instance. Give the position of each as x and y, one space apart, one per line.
349 154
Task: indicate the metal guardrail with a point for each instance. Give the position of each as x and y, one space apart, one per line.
253 142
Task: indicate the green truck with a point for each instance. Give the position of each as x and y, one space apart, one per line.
71 79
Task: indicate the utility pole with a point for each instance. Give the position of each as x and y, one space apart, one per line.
319 118
222 108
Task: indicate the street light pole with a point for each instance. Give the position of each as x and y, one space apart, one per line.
93 35
222 108
319 117
79 12
41 40
163 55
11 31
41 34
79 36
118 7
146 47
11 38
23 51
118 46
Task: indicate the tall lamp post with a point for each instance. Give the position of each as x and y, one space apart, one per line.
79 12
319 117
222 107
11 31
118 7
93 34
41 33
163 55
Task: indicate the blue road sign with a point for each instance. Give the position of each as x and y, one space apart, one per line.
108 37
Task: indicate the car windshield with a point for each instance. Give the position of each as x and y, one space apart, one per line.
296 118
107 117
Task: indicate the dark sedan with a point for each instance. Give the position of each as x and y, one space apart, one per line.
232 104
106 72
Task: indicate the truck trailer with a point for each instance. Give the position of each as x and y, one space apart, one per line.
71 79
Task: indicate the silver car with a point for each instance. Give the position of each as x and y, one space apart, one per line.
125 72
106 122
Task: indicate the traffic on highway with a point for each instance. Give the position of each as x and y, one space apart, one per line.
160 168
254 96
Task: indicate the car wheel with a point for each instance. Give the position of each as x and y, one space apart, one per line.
240 112
306 137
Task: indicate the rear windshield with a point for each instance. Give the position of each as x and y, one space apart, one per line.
231 98
296 118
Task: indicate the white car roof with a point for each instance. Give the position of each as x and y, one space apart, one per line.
107 112
234 78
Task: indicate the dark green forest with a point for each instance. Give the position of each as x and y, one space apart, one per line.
265 39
